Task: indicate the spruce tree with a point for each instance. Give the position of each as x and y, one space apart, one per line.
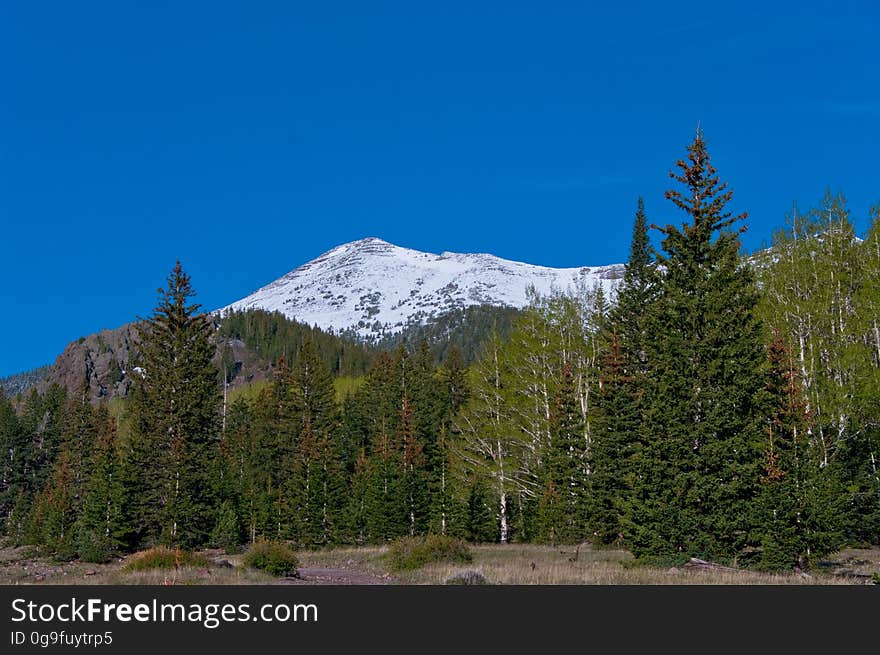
100 526
798 510
614 447
617 433
312 393
705 376
175 422
54 512
316 485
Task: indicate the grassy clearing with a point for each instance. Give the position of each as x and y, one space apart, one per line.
512 564
521 564
23 565
524 564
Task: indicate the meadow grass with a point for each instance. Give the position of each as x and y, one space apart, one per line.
517 564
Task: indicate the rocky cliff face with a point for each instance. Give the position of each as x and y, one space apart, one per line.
105 359
108 359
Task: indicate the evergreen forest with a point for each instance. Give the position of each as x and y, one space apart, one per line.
719 405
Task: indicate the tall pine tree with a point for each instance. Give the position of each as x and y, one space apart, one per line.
618 434
175 422
705 378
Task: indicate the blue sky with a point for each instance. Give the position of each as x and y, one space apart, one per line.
247 138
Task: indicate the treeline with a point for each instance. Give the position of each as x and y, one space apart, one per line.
272 335
716 407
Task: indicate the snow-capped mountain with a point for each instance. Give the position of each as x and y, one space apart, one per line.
374 288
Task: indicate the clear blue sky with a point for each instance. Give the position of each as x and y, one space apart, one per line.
246 138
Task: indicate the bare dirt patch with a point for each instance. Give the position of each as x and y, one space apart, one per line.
316 575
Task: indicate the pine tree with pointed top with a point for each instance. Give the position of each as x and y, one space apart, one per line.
175 422
706 362
617 435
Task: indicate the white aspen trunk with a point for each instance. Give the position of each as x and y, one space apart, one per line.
412 508
443 509
503 513
824 447
107 513
308 487
176 493
325 515
225 387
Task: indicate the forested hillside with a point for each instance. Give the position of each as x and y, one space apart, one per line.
21 382
712 408
464 329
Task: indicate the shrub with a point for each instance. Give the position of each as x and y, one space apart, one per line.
272 557
414 552
467 578
162 557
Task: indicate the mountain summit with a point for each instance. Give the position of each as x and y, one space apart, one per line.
373 288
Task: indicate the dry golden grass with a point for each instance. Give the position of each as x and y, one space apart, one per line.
186 576
513 564
364 559
524 564
24 566
519 564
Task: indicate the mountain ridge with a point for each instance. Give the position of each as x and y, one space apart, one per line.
371 288
367 290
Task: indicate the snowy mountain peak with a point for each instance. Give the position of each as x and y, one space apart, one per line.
373 288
